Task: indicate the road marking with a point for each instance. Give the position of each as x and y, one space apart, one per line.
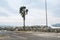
19 37
44 35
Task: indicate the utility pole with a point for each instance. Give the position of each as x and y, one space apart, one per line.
46 13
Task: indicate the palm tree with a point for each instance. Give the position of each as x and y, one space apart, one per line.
23 12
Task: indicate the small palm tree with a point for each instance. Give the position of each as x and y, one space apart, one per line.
23 12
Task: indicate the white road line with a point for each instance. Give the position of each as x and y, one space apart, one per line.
43 35
19 37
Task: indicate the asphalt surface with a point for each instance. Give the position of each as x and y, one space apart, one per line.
10 35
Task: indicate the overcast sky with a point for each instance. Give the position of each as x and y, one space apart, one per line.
9 12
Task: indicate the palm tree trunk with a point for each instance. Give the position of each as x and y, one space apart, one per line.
24 23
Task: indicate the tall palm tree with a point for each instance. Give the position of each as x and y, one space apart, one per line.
23 12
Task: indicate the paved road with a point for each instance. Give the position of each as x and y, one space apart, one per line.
9 35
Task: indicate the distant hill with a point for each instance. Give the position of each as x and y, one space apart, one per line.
56 25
